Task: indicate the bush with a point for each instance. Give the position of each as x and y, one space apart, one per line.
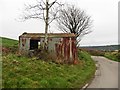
94 52
113 55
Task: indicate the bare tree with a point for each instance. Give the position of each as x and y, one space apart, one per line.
74 20
44 11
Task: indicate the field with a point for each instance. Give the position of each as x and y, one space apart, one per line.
113 55
24 72
9 43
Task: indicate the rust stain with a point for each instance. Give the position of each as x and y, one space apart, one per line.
64 43
67 49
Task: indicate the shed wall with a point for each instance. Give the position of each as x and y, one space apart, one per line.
24 45
64 48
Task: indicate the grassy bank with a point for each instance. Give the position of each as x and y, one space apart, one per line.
24 72
9 43
94 52
113 55
31 73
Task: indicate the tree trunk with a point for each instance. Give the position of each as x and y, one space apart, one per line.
46 25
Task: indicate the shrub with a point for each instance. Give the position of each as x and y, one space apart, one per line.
94 52
113 55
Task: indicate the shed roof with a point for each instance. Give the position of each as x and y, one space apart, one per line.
40 35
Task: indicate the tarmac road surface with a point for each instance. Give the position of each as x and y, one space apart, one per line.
106 75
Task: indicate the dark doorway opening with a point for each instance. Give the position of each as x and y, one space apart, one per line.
34 44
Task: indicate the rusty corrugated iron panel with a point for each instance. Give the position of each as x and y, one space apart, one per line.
67 49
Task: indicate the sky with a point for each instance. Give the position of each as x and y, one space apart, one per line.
104 14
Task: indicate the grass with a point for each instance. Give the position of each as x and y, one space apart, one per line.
8 45
94 52
112 55
115 56
6 42
23 72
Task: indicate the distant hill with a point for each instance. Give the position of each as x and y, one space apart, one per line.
103 48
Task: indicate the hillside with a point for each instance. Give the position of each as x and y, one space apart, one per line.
104 48
6 42
25 72
111 51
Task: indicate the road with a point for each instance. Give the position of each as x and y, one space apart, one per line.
106 75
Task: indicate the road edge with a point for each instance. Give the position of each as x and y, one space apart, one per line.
86 85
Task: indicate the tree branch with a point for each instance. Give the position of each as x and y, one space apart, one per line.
74 20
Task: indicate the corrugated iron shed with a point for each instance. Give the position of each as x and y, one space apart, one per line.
63 45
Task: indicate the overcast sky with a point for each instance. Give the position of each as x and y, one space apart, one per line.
104 14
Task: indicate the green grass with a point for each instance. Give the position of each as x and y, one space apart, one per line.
9 43
23 72
115 56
